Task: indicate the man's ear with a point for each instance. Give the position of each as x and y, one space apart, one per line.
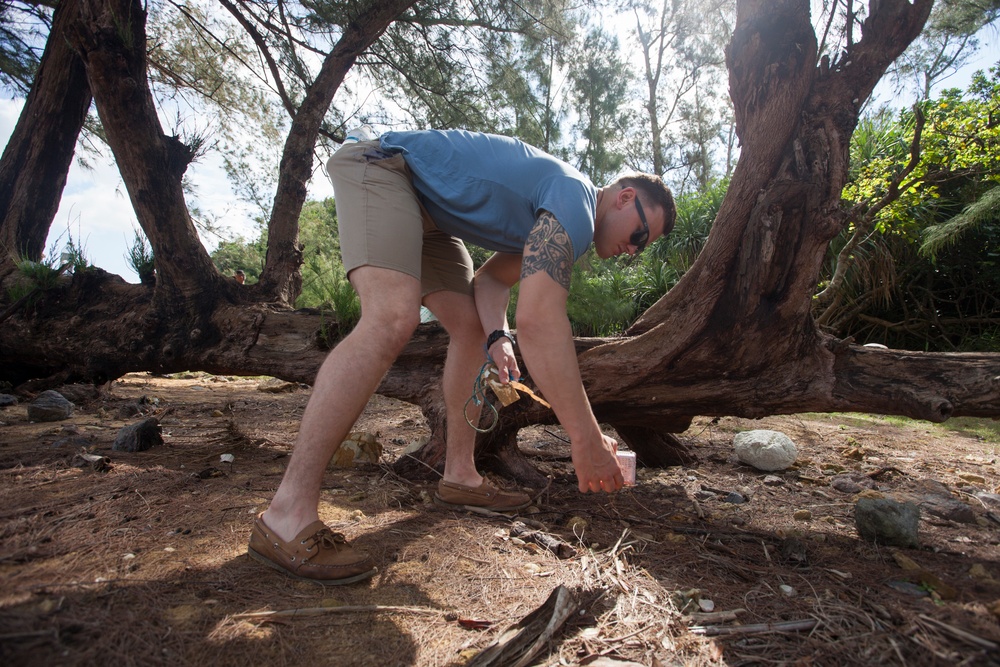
625 197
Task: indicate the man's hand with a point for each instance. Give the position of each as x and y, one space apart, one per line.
502 354
597 465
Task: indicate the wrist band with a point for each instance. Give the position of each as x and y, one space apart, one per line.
497 335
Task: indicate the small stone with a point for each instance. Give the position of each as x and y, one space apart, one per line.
706 605
854 453
6 400
972 477
735 498
276 386
49 406
577 524
139 437
218 413
787 590
886 521
773 480
845 484
765 450
802 515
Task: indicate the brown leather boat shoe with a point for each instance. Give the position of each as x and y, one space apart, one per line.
316 554
485 496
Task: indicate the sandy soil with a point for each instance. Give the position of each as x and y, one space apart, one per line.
144 563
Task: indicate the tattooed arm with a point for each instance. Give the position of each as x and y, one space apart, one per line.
546 341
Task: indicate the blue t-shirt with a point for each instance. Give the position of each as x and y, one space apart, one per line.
489 190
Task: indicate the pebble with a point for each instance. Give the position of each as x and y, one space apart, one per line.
802 515
773 480
972 477
787 590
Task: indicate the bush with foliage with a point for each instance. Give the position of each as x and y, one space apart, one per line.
925 274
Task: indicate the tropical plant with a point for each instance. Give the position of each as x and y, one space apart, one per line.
918 267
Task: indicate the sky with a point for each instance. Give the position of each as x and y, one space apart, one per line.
96 212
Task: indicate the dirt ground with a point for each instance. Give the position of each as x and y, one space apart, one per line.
145 563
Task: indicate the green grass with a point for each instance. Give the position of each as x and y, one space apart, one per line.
984 428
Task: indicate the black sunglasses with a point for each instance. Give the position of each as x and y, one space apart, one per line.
640 238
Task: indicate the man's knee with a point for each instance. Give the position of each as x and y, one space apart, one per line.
392 329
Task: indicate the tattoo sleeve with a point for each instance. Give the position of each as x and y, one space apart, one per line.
548 249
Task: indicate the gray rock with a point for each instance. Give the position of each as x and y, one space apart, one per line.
992 499
735 498
773 480
851 483
937 500
138 437
948 508
845 484
79 393
765 450
49 406
6 400
888 522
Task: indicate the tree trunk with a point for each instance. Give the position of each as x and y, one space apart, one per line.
111 40
38 154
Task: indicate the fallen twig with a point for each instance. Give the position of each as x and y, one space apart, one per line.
961 634
346 609
497 515
755 628
715 616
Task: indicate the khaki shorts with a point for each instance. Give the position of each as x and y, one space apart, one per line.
383 224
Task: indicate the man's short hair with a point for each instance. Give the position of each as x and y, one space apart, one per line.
656 192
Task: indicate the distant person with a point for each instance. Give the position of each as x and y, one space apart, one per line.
405 204
240 277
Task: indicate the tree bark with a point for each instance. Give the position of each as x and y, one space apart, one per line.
38 155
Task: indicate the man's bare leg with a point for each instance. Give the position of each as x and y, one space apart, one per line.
457 314
350 374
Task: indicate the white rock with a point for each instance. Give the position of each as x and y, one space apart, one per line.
765 450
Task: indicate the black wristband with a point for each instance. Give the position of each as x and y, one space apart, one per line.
497 335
